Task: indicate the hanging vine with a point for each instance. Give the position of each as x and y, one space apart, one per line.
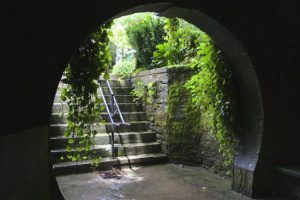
81 75
212 92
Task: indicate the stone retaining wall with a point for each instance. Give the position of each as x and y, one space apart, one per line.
201 150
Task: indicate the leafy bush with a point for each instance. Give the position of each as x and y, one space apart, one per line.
144 93
180 44
125 68
143 34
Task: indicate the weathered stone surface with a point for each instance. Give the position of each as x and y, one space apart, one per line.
187 147
242 181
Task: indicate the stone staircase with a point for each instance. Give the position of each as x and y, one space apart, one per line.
134 144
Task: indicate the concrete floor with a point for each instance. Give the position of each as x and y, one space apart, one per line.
156 182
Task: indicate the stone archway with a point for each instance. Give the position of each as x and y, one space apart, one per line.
249 93
48 33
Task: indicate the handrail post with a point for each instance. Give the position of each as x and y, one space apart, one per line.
112 141
112 104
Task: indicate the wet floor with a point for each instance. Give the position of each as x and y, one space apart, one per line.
156 182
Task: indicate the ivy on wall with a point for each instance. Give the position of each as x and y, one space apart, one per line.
144 93
212 93
81 75
211 86
209 99
183 124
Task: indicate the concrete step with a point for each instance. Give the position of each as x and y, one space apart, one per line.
111 77
113 84
58 118
116 90
60 142
120 99
128 107
106 163
116 83
124 107
136 126
120 150
127 116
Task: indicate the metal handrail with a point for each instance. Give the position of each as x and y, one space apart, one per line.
115 103
111 113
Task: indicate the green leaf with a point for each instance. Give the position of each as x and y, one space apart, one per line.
106 76
71 141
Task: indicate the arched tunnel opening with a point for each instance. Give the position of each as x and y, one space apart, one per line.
266 161
247 89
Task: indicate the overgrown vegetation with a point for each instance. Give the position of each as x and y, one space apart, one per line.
143 35
144 93
179 45
184 124
136 37
209 91
145 41
124 69
212 92
83 71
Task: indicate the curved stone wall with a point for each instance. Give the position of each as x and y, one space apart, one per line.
39 38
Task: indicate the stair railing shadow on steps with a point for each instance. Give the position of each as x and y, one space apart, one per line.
112 112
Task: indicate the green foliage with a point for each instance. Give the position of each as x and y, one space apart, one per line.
144 93
184 124
124 69
138 70
212 91
143 34
83 71
209 95
180 104
180 44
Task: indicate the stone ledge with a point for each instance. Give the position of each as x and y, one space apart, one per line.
162 70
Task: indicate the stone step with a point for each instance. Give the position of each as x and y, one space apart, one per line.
120 99
58 118
64 168
60 142
117 83
128 107
106 91
111 77
117 90
114 84
120 150
127 116
124 107
135 126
